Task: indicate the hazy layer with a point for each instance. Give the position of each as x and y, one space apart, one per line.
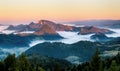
116 34
69 38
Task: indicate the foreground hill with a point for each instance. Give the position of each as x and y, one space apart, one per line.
48 62
63 51
32 63
83 50
44 63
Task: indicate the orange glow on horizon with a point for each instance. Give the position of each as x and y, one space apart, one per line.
14 11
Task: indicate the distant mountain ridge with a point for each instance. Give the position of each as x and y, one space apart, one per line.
92 29
57 27
37 26
102 23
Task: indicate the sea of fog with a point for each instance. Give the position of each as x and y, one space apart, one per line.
15 50
69 38
73 37
116 34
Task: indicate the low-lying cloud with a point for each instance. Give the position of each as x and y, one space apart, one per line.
69 38
116 34
17 51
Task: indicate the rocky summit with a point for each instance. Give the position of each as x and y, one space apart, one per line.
91 29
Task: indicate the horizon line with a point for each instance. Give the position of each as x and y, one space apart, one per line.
56 21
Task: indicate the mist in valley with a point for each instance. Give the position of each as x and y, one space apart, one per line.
69 38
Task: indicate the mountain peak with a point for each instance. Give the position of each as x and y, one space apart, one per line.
10 27
93 29
32 23
45 22
45 29
100 37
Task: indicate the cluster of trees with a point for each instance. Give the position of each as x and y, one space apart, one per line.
11 63
21 63
98 64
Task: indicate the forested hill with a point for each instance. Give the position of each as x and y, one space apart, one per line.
34 63
83 49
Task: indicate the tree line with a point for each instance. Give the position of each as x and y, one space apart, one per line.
21 63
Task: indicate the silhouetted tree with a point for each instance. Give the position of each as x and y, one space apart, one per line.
2 66
96 61
113 66
23 63
57 67
10 63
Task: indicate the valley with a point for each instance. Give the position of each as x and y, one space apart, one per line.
72 43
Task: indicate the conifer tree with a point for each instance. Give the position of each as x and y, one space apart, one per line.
10 63
23 63
113 66
96 61
2 66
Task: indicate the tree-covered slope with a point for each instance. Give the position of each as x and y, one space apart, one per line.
83 49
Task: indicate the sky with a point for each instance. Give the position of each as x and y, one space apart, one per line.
25 11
